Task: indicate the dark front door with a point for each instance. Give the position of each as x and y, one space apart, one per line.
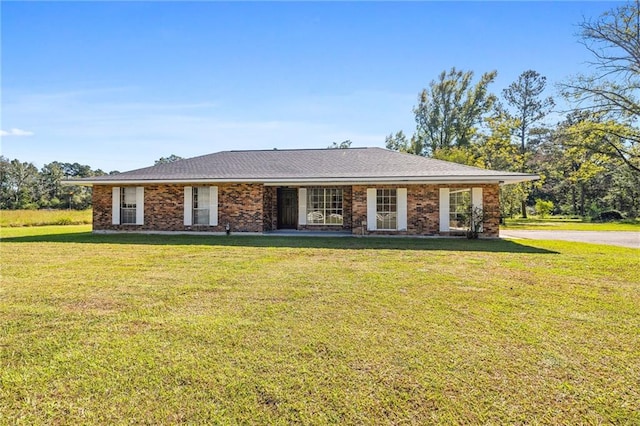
287 208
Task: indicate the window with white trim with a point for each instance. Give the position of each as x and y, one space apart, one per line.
201 204
459 208
128 205
386 209
324 206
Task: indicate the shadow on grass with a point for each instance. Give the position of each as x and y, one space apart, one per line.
344 243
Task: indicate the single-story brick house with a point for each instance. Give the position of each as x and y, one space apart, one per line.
358 190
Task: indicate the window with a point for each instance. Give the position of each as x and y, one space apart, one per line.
324 206
128 205
386 209
201 203
459 208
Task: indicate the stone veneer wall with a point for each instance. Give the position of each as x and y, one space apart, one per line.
239 205
423 215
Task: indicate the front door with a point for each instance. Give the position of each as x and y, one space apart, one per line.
287 208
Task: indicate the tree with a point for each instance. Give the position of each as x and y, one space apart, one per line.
51 176
400 143
342 145
607 137
524 96
450 109
166 160
19 180
581 167
611 92
496 150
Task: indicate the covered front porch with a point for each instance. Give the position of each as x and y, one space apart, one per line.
312 209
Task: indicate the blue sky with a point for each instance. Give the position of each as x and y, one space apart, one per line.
117 85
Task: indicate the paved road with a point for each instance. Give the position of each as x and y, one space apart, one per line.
615 238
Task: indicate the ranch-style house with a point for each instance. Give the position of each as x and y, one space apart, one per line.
363 191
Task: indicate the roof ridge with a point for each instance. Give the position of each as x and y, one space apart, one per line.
300 149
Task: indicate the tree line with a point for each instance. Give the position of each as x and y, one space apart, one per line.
589 161
24 186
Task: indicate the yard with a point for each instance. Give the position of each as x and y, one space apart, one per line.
555 223
98 329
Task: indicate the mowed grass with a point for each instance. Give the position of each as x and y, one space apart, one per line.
114 329
564 224
11 218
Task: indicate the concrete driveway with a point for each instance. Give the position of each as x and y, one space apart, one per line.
614 238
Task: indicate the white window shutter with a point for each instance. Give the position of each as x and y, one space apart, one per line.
372 196
302 206
402 208
140 205
213 205
115 205
476 201
444 209
188 206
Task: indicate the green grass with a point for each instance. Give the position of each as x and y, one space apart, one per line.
12 218
565 224
103 329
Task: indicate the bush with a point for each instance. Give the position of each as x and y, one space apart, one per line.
54 203
544 208
608 216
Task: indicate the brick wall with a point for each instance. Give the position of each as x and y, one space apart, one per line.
239 205
270 208
253 208
423 215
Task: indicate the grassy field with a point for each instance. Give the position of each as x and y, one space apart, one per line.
114 329
564 224
12 218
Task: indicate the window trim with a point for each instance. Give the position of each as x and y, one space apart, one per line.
445 208
195 194
189 206
457 213
380 193
326 210
128 211
117 203
401 209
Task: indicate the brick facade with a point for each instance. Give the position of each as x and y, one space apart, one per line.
253 208
239 205
423 209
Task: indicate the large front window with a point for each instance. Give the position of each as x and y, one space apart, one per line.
201 203
324 206
128 205
386 209
459 208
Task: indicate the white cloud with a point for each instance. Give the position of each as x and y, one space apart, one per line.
16 132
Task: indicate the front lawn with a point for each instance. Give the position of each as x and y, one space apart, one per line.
12 218
566 224
103 329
